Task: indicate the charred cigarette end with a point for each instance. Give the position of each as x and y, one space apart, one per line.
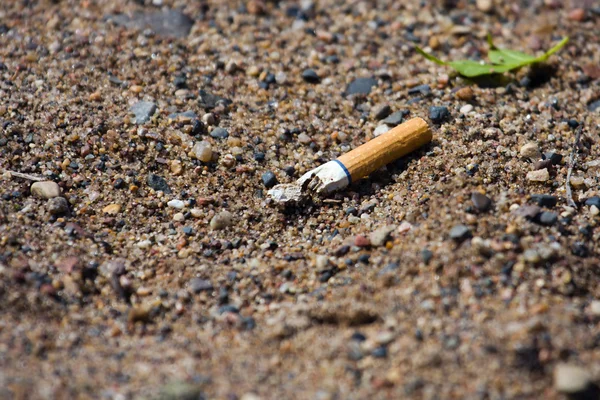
356 164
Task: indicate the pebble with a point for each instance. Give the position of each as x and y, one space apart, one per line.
208 119
269 179
381 111
381 235
439 114
45 190
577 182
594 210
180 391
158 183
424 90
380 130
112 209
541 164
198 285
143 110
178 217
208 101
219 133
577 14
460 233
310 76
166 22
484 5
529 212
571 379
57 206
221 221
531 151
361 241
395 118
178 204
541 175
481 201
544 200
593 201
465 94
467 108
202 151
304 138
360 86
554 157
548 218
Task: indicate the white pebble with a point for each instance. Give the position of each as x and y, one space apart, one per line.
45 190
380 130
467 108
176 204
594 210
541 175
531 151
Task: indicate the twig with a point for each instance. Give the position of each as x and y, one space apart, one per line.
570 200
24 176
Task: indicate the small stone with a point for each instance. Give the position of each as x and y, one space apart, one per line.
198 285
544 200
381 111
143 110
481 201
310 76
578 249
530 151
381 235
423 90
304 138
571 379
57 206
158 183
112 209
547 218
208 119
426 255
528 212
531 256
361 241
577 182
395 118
269 179
176 167
465 94
221 221
577 14
595 308
202 151
178 204
460 233
178 217
209 101
593 201
180 391
484 5
380 130
45 190
554 157
541 175
219 133
541 164
256 7
361 86
467 108
594 210
438 114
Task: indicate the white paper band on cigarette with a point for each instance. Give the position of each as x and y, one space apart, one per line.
333 176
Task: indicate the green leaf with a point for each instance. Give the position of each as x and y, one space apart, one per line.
501 60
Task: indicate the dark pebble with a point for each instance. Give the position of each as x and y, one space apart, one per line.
572 123
380 352
594 105
460 233
426 255
364 258
481 201
593 201
351 211
359 337
579 249
219 133
198 127
188 230
439 114
208 101
341 251
180 82
310 76
396 118
119 183
547 218
57 206
382 112
269 179
544 200
554 157
158 183
259 156
198 285
289 171
228 308
361 86
541 164
424 90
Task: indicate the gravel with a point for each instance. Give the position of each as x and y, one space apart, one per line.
45 190
143 110
361 86
439 114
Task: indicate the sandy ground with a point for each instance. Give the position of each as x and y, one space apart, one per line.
155 266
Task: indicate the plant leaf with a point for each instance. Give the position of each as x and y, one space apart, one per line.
502 60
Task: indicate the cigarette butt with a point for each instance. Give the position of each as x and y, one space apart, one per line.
358 163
